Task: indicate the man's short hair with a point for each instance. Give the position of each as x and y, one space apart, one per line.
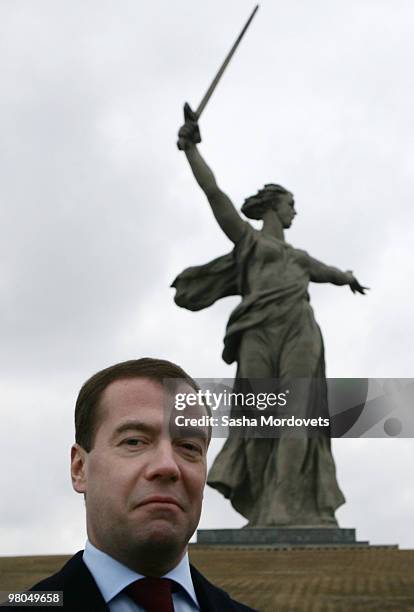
87 404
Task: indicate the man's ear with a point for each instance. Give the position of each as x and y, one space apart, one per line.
78 457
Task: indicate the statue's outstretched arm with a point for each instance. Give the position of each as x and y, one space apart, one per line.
321 273
223 208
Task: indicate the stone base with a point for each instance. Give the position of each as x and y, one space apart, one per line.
279 537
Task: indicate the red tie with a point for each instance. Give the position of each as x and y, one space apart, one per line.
152 594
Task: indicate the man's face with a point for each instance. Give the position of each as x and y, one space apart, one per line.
143 483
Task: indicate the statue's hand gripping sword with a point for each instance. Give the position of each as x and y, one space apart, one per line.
195 115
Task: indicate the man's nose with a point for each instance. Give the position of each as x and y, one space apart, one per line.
162 463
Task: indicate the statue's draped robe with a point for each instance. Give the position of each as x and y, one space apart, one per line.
272 333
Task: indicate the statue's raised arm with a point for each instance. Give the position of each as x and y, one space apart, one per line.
223 208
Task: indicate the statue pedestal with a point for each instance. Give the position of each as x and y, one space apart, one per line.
280 537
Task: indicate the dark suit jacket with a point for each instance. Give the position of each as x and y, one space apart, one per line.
81 594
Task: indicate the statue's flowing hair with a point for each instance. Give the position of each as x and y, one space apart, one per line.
254 206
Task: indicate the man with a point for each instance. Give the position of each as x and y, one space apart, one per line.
143 479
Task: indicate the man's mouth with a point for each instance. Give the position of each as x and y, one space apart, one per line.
160 499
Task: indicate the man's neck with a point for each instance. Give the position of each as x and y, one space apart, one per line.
151 560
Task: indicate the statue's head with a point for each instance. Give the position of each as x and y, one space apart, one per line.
273 197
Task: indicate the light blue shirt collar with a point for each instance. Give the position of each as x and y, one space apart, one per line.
112 577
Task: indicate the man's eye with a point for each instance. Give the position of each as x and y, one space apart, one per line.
194 449
132 442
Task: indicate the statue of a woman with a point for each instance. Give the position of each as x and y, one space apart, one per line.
272 333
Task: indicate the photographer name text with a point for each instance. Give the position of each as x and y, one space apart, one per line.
244 421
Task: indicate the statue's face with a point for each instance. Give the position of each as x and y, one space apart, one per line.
285 209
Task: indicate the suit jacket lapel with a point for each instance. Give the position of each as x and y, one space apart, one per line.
80 589
210 598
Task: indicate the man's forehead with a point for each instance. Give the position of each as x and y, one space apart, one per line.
137 388
127 395
128 390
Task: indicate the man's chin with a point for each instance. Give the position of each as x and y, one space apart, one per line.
162 538
162 529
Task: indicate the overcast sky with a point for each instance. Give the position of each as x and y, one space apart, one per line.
99 212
